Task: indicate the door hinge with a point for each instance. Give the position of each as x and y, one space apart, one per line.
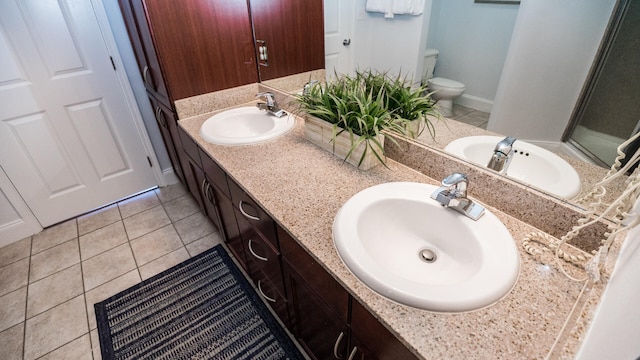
112 63
149 160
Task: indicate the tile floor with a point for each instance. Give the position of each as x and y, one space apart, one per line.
470 116
50 281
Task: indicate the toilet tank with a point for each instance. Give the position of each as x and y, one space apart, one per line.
430 56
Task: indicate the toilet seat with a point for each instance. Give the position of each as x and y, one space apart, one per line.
445 83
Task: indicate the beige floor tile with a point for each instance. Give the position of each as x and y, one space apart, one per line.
170 192
95 345
12 342
107 266
55 259
181 207
146 222
78 349
12 308
14 276
54 235
103 239
193 227
107 290
204 244
55 327
54 290
155 244
138 203
163 263
98 218
15 251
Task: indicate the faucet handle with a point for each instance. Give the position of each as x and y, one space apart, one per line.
268 96
504 146
456 182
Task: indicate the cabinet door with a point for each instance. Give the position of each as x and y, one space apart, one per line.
320 332
203 45
192 171
293 32
135 19
166 121
372 339
231 231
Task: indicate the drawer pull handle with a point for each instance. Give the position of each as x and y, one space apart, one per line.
145 76
254 253
245 213
353 353
262 293
160 117
337 345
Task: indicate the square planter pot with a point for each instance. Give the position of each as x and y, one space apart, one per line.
320 133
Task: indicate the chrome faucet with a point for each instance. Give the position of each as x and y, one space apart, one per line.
502 155
270 105
453 194
307 87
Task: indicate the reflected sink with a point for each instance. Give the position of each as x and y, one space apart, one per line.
408 248
530 164
244 125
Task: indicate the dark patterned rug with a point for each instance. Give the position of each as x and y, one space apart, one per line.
201 309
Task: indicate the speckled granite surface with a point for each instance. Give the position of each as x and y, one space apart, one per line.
302 187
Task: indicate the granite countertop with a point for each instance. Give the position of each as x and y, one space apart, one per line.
302 187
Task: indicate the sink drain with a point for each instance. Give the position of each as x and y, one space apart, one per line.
428 255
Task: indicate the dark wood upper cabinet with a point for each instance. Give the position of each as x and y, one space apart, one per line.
294 35
204 45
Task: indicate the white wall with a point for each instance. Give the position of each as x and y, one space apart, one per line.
473 40
552 49
394 45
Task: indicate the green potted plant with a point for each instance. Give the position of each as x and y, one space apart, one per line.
347 116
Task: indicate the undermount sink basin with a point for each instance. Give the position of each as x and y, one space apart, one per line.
244 125
408 248
530 164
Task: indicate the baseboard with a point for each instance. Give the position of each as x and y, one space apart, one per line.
17 230
169 176
475 102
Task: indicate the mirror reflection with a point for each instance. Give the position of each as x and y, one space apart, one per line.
523 72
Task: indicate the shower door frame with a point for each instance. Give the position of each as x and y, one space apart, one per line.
594 74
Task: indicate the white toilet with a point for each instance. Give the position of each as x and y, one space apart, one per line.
445 90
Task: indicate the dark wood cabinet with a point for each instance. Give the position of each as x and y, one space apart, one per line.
293 33
166 119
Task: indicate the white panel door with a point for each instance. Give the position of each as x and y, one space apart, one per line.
68 142
338 24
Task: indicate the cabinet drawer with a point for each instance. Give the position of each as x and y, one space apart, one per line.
190 147
215 173
316 277
253 213
270 293
261 255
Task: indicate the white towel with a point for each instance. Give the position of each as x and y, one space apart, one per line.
399 7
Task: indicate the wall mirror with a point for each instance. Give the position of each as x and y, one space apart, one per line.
358 17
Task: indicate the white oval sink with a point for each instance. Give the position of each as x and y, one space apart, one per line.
530 164
244 125
384 233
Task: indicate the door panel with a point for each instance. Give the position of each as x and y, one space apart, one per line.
338 20
67 139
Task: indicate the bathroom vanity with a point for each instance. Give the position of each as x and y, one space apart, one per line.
276 202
